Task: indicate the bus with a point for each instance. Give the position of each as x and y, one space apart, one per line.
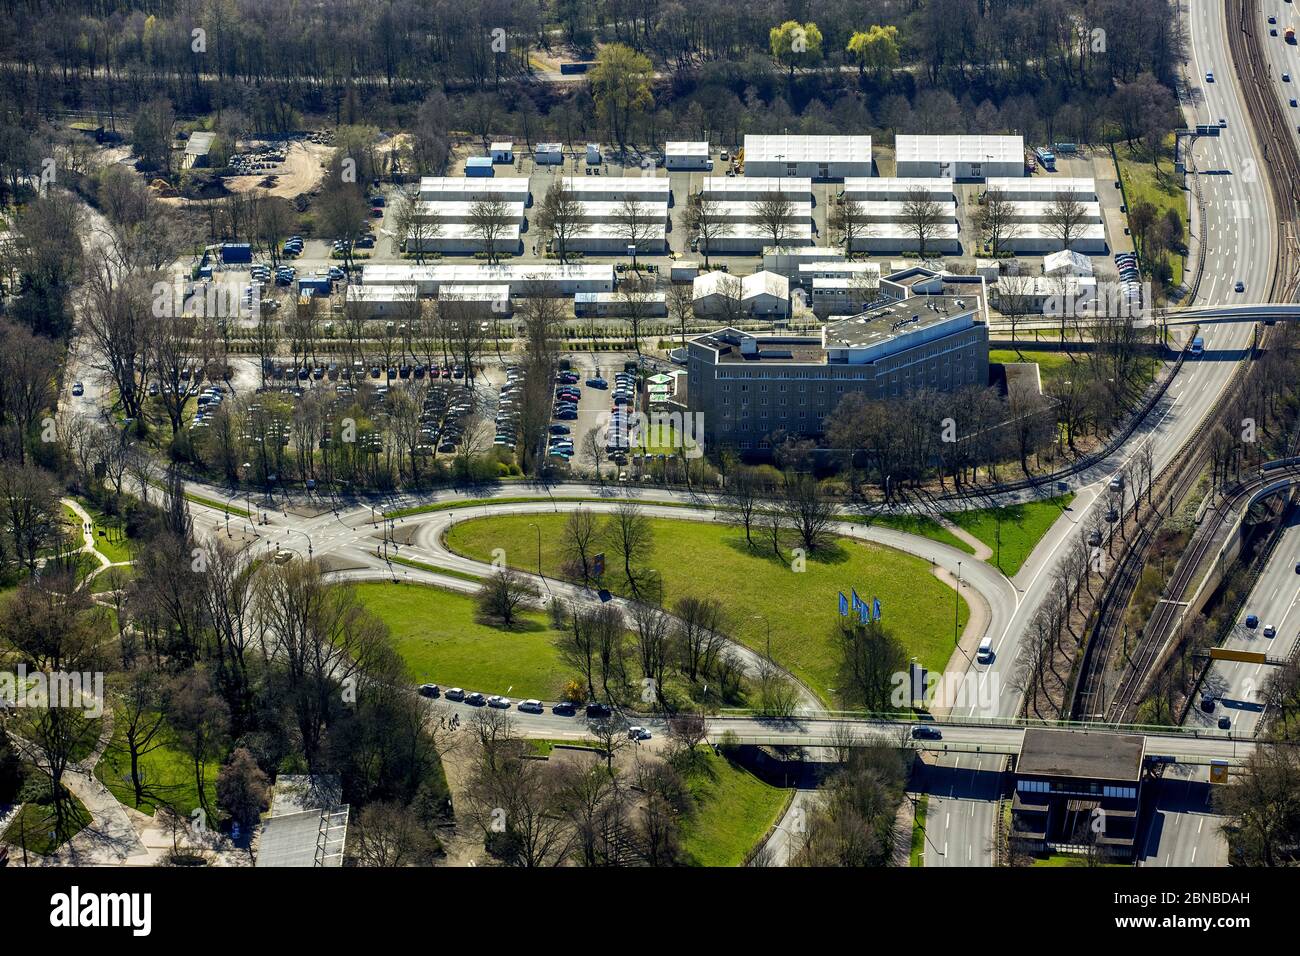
1198 346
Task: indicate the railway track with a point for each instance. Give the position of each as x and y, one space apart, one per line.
1282 163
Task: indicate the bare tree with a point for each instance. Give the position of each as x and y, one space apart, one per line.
848 222
923 218
1065 219
995 219
489 223
559 217
704 218
774 214
636 223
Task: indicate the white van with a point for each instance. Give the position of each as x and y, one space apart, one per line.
985 653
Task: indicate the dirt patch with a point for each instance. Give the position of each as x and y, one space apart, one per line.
300 173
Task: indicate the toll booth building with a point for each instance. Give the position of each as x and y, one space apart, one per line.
1078 793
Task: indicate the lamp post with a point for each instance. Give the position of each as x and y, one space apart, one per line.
956 606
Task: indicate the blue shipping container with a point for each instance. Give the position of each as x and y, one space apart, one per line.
236 252
479 166
321 284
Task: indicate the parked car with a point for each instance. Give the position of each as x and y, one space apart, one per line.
563 709
455 694
530 706
1225 722
496 700
429 690
78 389
1270 630
638 733
1252 620
476 699
598 710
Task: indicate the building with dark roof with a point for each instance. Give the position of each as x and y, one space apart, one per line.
749 386
1078 792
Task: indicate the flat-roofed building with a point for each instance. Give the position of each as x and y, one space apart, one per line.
463 238
885 238
463 210
1040 238
815 157
1078 792
786 259
611 238
748 387
502 151
523 279
750 188
962 156
1057 295
749 238
455 188
1041 188
645 189
651 305
1042 210
606 210
887 188
686 155
382 300
485 297
751 210
548 154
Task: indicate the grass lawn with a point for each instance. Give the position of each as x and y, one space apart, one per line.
110 579
433 568
1022 528
734 809
439 636
1142 183
917 857
168 777
921 525
35 823
1052 365
109 532
1063 860
707 559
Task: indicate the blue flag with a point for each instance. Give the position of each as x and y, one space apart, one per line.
844 605
857 601
864 614
875 604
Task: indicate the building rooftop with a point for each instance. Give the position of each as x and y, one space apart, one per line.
889 320
750 186
807 149
961 148
1078 753
305 838
199 143
686 148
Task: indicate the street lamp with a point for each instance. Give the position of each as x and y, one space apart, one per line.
956 606
538 528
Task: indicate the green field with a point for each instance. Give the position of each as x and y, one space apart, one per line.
109 532
439 636
1164 191
706 559
917 855
33 824
921 525
1022 528
1052 365
168 776
734 809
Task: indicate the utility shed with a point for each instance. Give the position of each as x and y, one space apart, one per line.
479 166
960 156
502 152
686 155
548 154
814 157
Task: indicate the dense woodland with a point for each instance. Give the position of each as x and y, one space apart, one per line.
1052 70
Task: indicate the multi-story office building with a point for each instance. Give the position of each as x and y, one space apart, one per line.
749 386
